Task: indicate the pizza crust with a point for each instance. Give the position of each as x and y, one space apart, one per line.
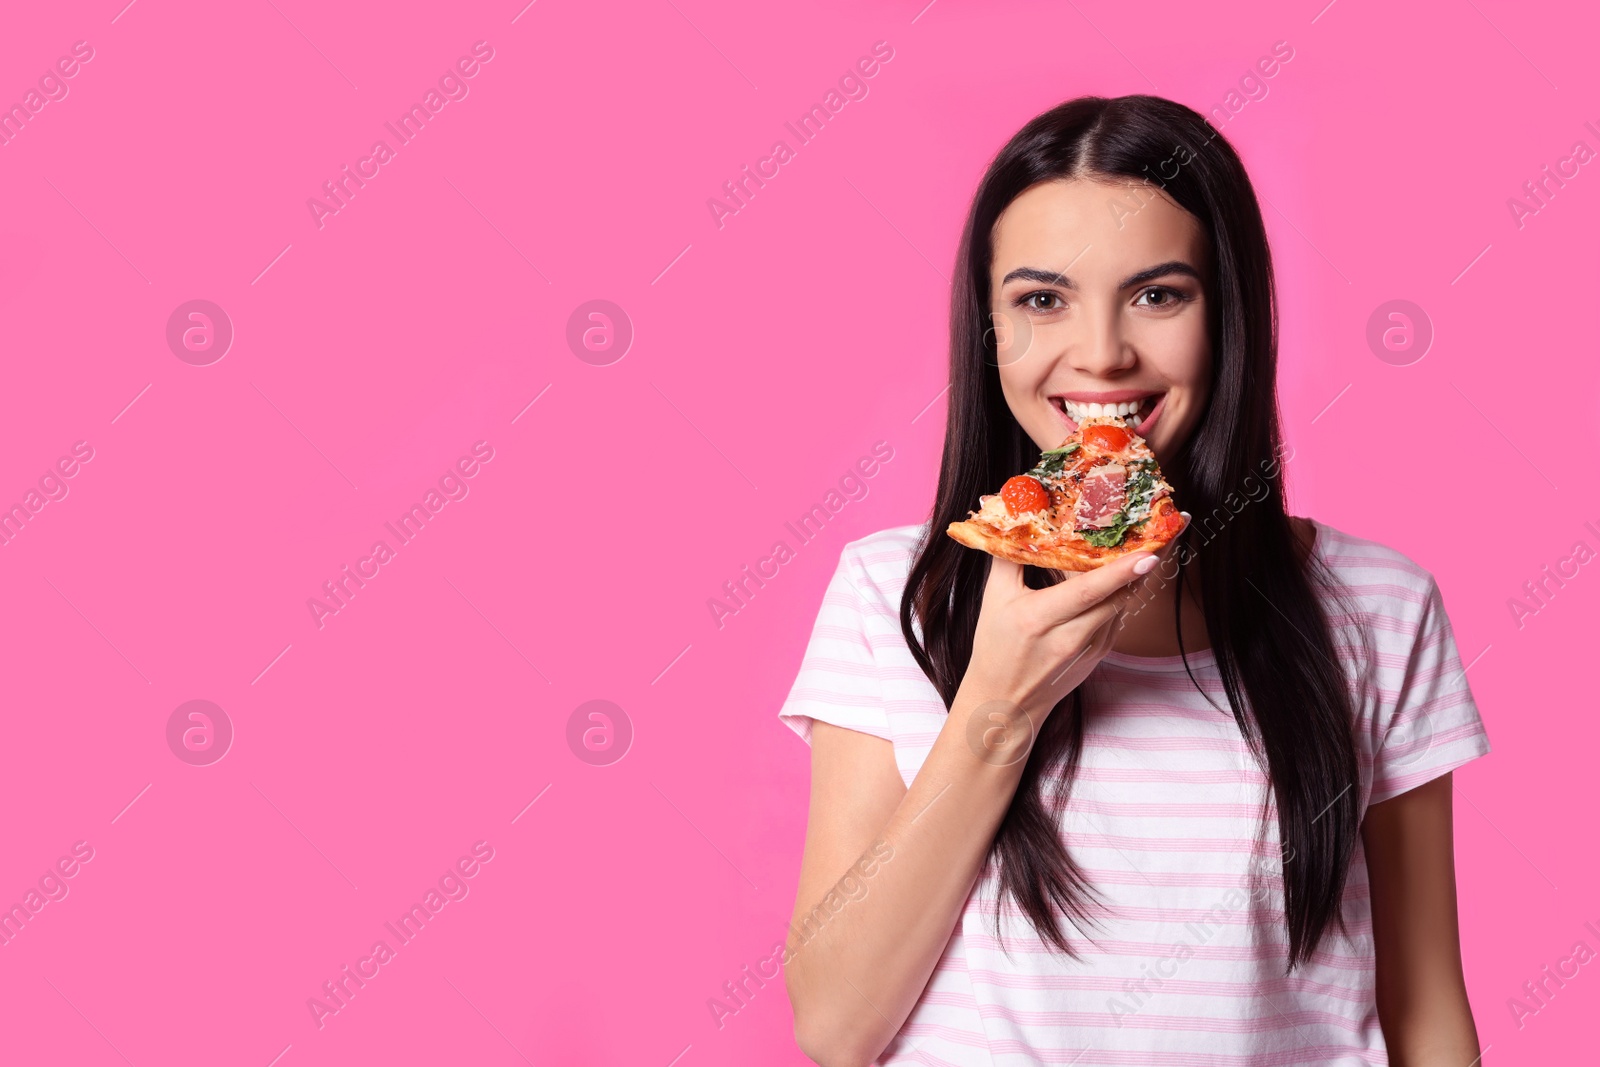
1154 534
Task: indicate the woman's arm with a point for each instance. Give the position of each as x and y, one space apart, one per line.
855 973
886 868
1421 992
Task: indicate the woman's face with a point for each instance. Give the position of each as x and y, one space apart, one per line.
1099 300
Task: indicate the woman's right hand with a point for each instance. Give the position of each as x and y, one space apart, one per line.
1032 647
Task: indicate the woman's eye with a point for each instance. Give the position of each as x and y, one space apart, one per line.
1041 301
1168 297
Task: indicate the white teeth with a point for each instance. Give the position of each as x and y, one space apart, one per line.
1077 411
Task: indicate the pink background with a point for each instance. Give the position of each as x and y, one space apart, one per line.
768 355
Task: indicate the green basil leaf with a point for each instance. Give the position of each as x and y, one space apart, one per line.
1107 538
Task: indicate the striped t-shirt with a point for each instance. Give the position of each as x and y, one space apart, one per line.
1186 969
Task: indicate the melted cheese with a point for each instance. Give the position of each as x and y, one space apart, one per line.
993 511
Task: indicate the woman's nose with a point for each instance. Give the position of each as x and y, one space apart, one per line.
1101 348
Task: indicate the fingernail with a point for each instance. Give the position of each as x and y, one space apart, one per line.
1146 565
1186 516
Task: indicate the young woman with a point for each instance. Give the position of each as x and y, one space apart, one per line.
1189 808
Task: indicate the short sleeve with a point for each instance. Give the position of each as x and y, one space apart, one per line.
1433 726
838 681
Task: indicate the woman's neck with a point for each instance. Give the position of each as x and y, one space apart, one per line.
1146 627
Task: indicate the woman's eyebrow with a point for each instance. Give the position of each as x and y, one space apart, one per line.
1050 277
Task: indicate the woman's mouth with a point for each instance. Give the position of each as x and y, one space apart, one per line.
1140 414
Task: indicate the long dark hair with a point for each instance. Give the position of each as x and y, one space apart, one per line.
1271 636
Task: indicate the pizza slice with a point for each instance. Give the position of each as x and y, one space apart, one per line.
1095 498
